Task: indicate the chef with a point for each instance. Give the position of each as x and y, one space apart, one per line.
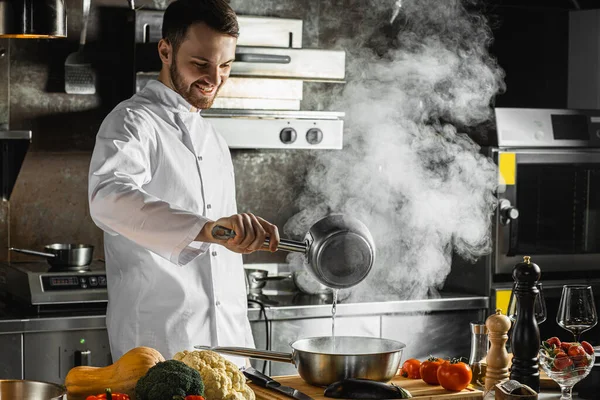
160 179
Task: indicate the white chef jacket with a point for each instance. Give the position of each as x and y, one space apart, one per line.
158 173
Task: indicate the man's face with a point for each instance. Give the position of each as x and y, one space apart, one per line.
202 64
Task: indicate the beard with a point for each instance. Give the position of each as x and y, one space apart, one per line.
200 102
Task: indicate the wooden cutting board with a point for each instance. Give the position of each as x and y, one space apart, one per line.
417 387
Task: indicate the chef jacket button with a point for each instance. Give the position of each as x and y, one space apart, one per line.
217 303
214 253
200 158
208 206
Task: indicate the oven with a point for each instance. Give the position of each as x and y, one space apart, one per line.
549 193
551 211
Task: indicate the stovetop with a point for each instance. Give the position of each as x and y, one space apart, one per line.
42 267
38 284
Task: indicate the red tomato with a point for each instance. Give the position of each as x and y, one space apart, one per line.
429 369
113 396
553 341
587 347
454 375
562 361
410 369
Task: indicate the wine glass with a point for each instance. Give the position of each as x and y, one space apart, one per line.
577 311
540 305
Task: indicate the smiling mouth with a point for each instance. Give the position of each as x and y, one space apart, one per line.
206 90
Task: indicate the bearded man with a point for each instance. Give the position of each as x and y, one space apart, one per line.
160 179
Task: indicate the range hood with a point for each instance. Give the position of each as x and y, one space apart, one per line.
13 148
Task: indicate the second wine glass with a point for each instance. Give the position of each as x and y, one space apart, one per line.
577 311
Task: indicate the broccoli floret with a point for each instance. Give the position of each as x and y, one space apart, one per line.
167 379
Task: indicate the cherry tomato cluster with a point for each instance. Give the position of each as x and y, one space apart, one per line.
566 356
452 375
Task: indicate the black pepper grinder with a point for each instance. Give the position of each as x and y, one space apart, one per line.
526 334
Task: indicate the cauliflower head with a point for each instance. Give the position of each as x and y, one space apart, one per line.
222 378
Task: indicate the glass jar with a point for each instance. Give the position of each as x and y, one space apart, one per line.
479 350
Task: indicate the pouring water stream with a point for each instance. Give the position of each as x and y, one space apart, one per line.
333 310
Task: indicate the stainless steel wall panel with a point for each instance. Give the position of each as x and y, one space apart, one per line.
259 331
11 359
48 356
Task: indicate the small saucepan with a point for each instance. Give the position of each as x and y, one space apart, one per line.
64 256
339 250
257 278
320 361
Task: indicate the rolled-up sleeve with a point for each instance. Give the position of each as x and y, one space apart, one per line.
119 168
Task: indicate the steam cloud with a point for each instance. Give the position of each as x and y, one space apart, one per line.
406 171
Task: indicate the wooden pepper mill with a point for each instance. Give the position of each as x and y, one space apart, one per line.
526 334
497 358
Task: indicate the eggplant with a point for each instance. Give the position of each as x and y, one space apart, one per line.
353 388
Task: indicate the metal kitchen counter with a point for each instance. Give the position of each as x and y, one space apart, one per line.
297 306
24 321
277 307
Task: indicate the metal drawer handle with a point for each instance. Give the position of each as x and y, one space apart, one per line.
263 58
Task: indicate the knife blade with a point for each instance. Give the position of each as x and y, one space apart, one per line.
267 382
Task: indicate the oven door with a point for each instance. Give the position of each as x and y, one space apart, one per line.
549 209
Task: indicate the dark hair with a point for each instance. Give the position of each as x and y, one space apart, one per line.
181 14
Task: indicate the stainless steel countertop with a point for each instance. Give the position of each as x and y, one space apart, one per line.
302 306
279 307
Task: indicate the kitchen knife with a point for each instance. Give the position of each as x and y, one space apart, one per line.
266 382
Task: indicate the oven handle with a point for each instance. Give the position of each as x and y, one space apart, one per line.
513 237
509 217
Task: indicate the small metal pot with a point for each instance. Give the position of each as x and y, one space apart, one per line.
31 390
339 250
258 278
319 363
62 256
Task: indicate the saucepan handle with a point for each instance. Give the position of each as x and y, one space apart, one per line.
251 353
33 253
273 278
222 233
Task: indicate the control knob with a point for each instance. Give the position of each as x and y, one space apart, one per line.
507 212
314 136
82 358
288 135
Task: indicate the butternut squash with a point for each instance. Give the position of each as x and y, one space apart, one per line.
121 376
